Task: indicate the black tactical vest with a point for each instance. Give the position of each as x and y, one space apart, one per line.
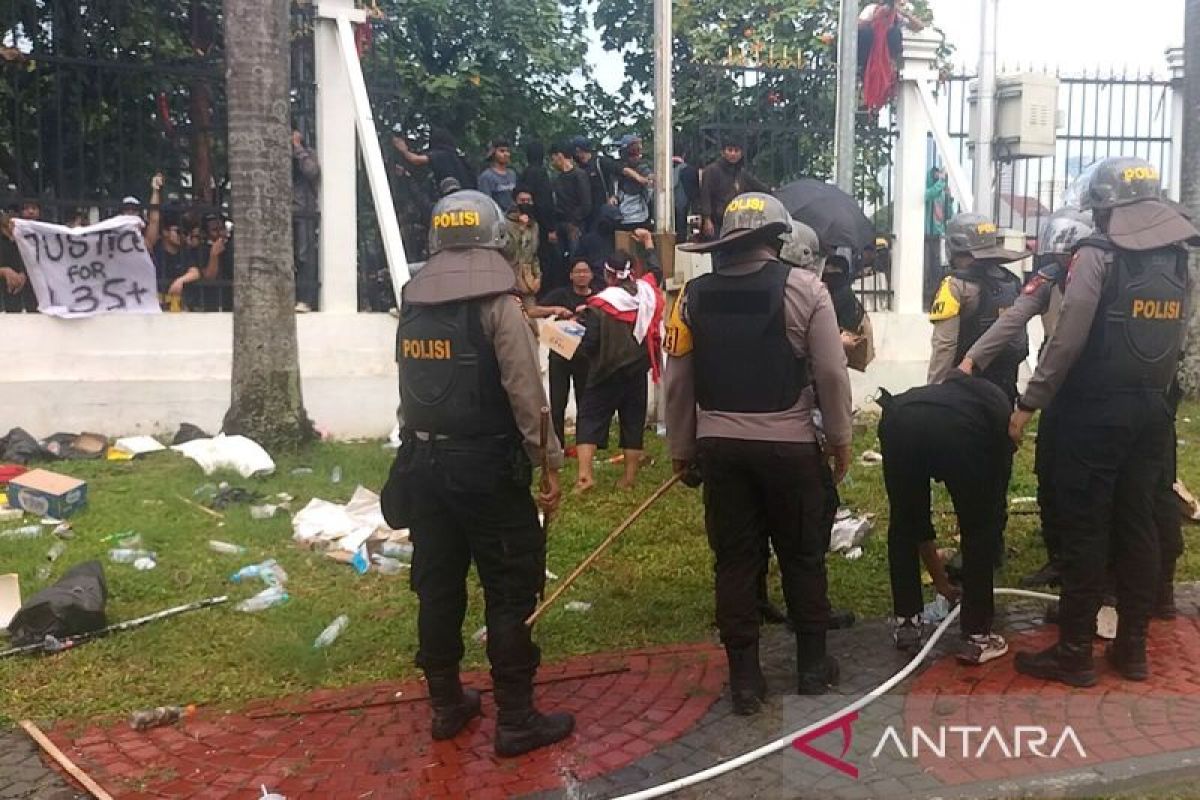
743 361
1137 333
998 290
449 376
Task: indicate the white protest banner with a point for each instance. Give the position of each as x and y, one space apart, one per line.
79 272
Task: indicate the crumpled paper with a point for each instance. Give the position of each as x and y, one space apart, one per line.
341 527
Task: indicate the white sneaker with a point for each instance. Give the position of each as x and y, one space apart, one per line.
982 648
1106 623
302 308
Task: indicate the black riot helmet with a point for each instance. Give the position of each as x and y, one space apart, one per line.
1120 181
750 218
466 219
1062 230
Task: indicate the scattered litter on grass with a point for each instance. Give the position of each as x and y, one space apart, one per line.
480 636
238 453
269 572
268 598
158 717
331 633
935 610
134 446
302 471
10 597
23 532
550 576
388 566
393 440
849 531
145 564
56 550
578 606
11 514
361 561
265 511
225 548
870 458
335 476
64 531
853 554
227 495
128 555
401 551
342 531
45 493
266 795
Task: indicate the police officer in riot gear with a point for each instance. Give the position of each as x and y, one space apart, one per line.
471 399
747 344
971 299
803 249
1107 369
1041 295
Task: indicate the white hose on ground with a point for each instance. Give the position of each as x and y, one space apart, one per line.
862 702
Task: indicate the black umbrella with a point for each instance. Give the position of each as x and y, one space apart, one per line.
829 211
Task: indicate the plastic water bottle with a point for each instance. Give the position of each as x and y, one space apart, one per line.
268 571
24 532
157 717
389 566
268 598
128 555
402 551
56 550
336 475
225 548
330 634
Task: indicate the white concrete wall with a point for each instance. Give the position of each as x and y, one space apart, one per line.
127 374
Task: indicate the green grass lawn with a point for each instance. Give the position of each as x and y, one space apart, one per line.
653 587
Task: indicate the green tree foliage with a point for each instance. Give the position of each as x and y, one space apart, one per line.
99 95
783 108
480 68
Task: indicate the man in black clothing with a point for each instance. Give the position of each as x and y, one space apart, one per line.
537 180
573 201
14 280
954 432
565 302
443 158
600 173
720 182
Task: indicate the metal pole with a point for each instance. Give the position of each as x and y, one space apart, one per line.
984 166
847 96
664 207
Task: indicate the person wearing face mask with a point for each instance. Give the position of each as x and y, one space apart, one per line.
521 249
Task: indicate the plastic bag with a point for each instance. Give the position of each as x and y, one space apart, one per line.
72 606
238 453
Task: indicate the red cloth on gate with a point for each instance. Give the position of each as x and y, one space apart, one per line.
879 78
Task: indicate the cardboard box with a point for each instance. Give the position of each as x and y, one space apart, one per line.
47 494
561 336
10 598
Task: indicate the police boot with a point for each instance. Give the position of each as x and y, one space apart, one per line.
1063 662
453 706
816 669
1127 653
747 686
520 727
1164 604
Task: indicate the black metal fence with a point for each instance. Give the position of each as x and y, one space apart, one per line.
1099 115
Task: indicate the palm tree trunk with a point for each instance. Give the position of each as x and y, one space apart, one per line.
266 400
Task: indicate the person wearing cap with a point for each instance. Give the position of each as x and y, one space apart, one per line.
471 401
499 181
972 298
600 172
633 185
622 341
1042 295
754 350
1108 369
721 181
130 207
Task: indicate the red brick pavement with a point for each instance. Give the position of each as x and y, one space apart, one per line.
362 742
1114 720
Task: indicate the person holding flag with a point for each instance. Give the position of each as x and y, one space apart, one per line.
623 341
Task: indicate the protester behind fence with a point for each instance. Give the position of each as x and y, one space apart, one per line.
306 172
723 180
14 280
622 342
633 185
443 157
939 208
176 265
537 180
499 179
685 180
601 175
573 201
216 253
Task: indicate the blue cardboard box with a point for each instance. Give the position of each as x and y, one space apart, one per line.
47 494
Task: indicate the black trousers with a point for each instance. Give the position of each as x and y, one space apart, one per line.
1167 520
564 374
472 503
922 443
755 492
304 251
1109 472
1044 458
